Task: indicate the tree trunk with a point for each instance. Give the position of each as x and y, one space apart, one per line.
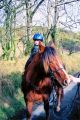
53 29
29 20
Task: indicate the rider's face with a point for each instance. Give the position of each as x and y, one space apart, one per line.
36 42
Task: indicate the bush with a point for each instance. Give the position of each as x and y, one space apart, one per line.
11 99
69 45
27 45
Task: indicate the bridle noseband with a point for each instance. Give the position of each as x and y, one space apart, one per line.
57 70
53 76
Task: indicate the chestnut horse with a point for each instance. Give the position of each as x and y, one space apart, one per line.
37 82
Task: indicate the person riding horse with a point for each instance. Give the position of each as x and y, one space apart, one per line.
37 38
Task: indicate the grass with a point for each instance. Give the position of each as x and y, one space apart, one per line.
11 97
72 62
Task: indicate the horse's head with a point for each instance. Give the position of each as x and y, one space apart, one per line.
52 61
41 47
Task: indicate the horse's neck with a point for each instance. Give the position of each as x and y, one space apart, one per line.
33 61
35 71
30 70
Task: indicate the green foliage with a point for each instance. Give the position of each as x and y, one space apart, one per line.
12 99
11 85
16 80
2 114
9 47
28 48
53 33
6 113
69 45
27 44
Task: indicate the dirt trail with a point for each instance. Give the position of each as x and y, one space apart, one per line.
66 105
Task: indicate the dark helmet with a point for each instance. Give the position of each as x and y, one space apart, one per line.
38 36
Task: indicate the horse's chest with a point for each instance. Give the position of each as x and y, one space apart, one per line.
45 82
45 85
38 71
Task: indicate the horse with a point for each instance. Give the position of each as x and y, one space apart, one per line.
37 82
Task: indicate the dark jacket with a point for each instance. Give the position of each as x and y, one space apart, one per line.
34 50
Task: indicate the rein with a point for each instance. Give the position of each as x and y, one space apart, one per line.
53 77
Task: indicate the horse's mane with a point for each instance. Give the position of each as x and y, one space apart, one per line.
48 56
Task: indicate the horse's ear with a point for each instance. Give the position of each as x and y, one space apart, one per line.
41 47
51 44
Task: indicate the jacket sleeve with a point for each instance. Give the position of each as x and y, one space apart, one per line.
33 52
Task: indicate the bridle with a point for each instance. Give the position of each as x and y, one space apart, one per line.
57 70
53 76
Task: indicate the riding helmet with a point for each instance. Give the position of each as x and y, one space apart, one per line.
38 36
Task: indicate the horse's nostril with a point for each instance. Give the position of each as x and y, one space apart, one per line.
65 83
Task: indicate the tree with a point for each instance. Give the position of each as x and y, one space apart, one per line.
69 45
30 13
7 43
56 14
64 15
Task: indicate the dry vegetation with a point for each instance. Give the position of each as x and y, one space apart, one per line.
7 67
72 62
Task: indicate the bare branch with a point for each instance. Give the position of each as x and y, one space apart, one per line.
37 7
67 2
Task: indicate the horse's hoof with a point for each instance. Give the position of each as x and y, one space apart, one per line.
58 109
24 119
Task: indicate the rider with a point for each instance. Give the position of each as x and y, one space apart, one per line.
37 38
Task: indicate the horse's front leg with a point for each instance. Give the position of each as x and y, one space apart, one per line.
59 96
46 108
58 102
29 106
